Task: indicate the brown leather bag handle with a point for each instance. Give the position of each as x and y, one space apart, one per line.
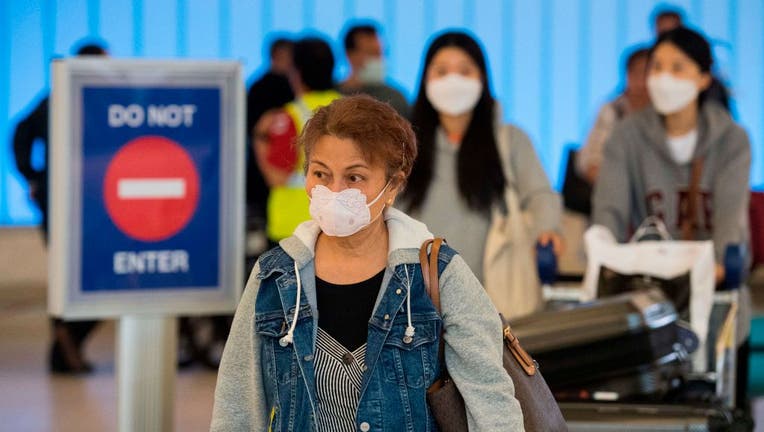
521 356
693 198
432 286
430 269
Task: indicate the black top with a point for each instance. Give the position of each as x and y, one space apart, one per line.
34 128
344 310
31 128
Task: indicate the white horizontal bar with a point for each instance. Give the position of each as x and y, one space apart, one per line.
151 188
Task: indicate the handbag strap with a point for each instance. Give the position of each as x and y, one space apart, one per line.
504 148
430 269
430 274
688 225
431 284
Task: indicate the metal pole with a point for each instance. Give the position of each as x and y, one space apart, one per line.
146 362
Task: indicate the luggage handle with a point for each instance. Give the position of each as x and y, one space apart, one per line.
651 225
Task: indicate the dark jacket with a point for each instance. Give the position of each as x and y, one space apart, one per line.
30 129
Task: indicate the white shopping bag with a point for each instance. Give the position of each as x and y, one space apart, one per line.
664 259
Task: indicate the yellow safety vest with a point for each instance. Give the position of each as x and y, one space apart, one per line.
288 203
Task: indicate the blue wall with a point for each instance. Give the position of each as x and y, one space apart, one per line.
553 62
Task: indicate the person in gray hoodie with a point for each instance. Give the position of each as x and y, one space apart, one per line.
335 331
683 160
650 156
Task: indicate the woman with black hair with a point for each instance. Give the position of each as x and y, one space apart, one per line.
683 160
652 156
460 175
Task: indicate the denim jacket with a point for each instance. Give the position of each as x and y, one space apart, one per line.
266 384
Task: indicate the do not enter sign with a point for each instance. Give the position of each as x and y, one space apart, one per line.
143 164
151 188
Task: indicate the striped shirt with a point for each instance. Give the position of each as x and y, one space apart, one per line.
343 323
339 374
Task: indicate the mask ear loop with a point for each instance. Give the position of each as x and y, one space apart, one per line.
408 334
382 192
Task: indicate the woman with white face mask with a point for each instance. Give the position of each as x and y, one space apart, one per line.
683 160
650 157
461 174
335 331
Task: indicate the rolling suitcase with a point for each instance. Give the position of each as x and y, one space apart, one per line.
623 348
616 417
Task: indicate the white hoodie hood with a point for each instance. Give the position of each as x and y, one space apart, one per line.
404 234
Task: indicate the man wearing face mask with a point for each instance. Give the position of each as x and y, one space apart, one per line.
683 160
363 49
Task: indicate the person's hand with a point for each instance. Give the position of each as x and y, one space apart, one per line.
558 246
719 273
591 174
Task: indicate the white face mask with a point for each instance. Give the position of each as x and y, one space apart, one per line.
670 94
372 72
343 213
454 94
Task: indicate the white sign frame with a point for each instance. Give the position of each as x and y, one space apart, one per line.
65 295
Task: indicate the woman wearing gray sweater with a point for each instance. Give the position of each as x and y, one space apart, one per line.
459 176
335 331
684 160
650 156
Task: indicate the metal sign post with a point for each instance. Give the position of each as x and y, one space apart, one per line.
146 360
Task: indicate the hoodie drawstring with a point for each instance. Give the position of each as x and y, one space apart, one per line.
408 333
289 338
410 330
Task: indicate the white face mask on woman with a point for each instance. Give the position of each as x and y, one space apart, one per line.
454 94
670 94
343 213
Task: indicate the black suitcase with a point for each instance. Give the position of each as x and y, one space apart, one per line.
602 417
623 348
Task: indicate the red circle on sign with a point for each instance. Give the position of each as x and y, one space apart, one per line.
151 188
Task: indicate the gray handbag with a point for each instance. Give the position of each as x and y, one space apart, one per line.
540 410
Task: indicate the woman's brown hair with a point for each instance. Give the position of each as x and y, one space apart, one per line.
381 134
